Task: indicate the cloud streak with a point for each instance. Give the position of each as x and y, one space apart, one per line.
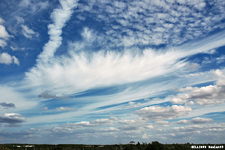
59 17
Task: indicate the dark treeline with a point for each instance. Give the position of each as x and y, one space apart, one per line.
144 146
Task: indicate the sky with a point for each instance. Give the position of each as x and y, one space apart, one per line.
110 72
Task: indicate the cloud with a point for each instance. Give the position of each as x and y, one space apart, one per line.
220 59
166 22
19 20
83 70
12 118
102 127
22 102
33 6
48 95
193 66
4 35
207 127
27 32
1 21
45 108
160 113
25 3
90 70
59 17
211 94
15 60
5 58
19 136
7 105
162 123
194 133
64 109
197 120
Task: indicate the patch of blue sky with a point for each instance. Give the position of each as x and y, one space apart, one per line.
101 91
204 84
56 103
216 116
208 60
111 106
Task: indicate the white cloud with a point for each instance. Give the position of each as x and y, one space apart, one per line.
208 127
220 59
162 123
193 66
2 43
59 17
85 71
15 60
19 20
197 120
27 32
211 94
137 15
25 3
5 58
1 21
64 109
4 35
33 6
160 113
178 100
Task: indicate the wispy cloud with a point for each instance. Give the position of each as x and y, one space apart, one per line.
82 71
27 32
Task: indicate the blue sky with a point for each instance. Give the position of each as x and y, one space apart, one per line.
103 72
